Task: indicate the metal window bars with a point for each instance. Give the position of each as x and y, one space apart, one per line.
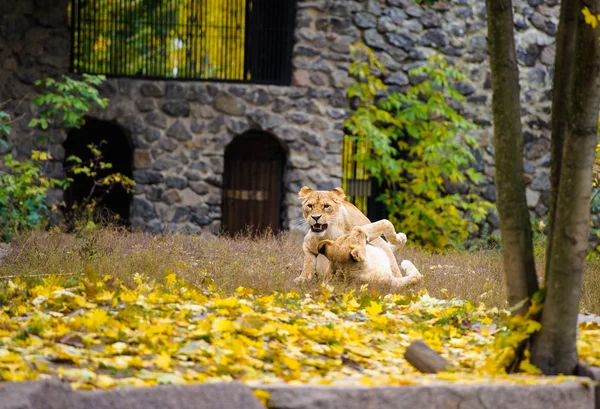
213 40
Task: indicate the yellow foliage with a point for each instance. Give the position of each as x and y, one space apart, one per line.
174 334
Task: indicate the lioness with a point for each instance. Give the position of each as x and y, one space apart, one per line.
353 256
329 216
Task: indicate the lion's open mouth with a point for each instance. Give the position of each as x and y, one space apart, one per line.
318 228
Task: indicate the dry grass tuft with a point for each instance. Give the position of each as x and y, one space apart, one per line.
265 263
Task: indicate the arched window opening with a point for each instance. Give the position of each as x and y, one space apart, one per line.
112 203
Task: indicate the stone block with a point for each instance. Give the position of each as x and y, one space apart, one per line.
230 105
142 158
570 395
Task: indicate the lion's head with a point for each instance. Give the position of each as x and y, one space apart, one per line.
349 248
320 207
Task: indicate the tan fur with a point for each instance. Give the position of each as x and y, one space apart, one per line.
322 207
354 257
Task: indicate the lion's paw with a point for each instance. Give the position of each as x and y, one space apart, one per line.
409 269
401 238
301 280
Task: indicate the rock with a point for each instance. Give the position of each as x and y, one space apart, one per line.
142 158
199 216
548 55
532 197
464 88
537 76
178 214
338 99
179 131
374 7
398 16
171 196
176 181
265 120
431 19
414 11
197 126
536 37
177 108
374 40
142 208
175 91
413 26
529 55
403 40
145 105
152 89
365 20
146 177
541 182
300 78
456 188
399 78
319 79
297 117
538 21
216 124
259 97
237 126
536 149
386 25
489 193
168 144
133 124
493 219
552 396
477 45
157 119
230 105
199 187
310 137
435 39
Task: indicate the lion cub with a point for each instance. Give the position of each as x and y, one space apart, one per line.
329 216
353 256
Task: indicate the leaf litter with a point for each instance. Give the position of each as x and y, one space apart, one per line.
98 333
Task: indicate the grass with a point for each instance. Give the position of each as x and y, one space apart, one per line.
265 263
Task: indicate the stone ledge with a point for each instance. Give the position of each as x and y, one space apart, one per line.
235 395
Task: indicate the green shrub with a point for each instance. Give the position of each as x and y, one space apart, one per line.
23 184
23 189
412 142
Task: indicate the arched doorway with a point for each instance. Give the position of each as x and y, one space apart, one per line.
116 149
252 183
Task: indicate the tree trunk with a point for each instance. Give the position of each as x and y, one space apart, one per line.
554 349
515 227
563 67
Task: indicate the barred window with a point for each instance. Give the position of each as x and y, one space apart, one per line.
215 40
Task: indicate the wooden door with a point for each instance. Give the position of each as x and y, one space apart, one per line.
252 183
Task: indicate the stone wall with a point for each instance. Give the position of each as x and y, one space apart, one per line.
180 129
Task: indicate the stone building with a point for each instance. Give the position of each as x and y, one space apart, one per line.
182 136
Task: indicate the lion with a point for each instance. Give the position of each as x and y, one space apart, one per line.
329 216
353 256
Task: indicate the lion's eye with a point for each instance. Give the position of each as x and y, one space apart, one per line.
326 207
309 206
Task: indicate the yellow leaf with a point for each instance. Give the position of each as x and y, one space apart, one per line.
171 279
223 325
374 309
163 361
590 19
263 396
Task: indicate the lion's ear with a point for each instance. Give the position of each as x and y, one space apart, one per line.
356 254
304 192
338 193
322 247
